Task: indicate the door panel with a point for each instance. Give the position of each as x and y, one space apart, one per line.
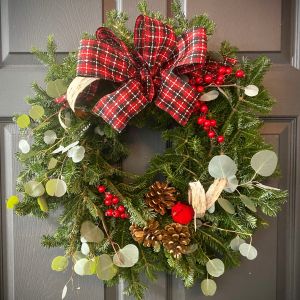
25 272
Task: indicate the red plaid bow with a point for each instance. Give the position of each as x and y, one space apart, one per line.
150 71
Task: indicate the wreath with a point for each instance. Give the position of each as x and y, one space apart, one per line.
194 211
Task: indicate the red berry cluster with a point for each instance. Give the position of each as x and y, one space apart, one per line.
116 211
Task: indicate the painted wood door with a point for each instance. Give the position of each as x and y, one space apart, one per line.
258 26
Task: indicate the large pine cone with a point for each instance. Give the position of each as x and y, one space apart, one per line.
161 197
150 235
176 238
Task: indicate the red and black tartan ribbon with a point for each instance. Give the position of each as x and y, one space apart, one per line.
149 72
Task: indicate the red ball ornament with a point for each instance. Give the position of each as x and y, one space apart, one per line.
204 108
239 74
182 213
208 78
220 139
200 89
101 188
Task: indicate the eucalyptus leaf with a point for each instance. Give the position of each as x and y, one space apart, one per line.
232 184
84 266
24 146
215 267
64 292
226 205
105 269
56 88
251 90
248 203
222 166
42 202
52 163
76 153
127 256
12 201
236 242
23 121
264 162
67 148
77 256
85 249
59 263
248 251
56 187
50 137
34 188
208 287
209 96
91 232
36 112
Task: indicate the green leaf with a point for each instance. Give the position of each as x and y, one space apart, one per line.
23 121
59 263
12 201
105 270
91 232
222 166
215 267
56 88
36 112
34 188
127 256
264 162
208 287
226 205
248 203
56 187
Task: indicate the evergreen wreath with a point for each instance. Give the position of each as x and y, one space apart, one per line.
194 211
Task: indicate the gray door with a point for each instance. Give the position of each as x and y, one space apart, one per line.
270 27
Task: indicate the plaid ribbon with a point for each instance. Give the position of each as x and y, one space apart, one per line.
149 72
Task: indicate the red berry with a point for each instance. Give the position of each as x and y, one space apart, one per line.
211 134
198 80
192 81
200 89
116 213
213 123
121 208
239 74
201 120
109 196
222 70
101 188
197 105
115 200
228 70
208 78
206 128
107 202
220 139
206 123
220 78
109 212
204 108
218 82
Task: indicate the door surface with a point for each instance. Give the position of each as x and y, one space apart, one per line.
268 27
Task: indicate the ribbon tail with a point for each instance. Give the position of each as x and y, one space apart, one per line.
120 106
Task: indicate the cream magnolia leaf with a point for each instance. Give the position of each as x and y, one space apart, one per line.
214 191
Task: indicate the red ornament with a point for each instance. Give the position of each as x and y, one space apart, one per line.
115 200
239 74
200 89
220 139
208 78
101 188
182 213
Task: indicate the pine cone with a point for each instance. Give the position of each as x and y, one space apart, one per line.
161 197
176 238
150 235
